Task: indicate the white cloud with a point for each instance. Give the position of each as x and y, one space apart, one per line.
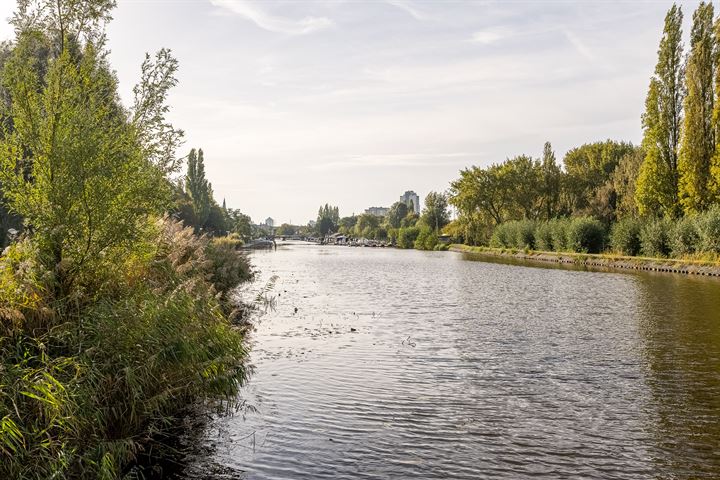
409 8
487 37
579 45
273 23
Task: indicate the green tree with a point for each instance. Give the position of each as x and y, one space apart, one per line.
285 230
327 220
624 180
657 186
347 224
198 187
366 225
435 214
396 213
589 171
698 140
550 184
240 223
72 166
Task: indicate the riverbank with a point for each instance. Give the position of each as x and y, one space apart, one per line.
619 262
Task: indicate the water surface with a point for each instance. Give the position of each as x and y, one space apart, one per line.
380 363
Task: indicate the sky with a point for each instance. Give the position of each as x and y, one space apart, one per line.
301 103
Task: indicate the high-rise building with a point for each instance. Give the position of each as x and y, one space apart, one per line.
377 211
412 200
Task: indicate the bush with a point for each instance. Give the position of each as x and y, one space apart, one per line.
514 234
524 234
655 238
625 236
708 224
684 237
559 230
407 236
544 236
86 383
426 239
586 235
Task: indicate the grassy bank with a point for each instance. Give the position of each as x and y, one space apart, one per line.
682 266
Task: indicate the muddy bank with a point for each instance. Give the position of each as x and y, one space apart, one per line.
685 267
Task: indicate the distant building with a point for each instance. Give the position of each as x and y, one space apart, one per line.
269 222
412 200
377 211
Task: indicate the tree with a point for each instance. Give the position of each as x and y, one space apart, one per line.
624 180
240 223
657 187
435 214
327 220
589 171
551 182
198 187
698 140
285 230
72 165
347 224
396 213
366 225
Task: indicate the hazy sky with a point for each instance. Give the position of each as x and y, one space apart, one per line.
353 102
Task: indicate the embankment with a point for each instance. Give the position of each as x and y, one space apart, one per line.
609 261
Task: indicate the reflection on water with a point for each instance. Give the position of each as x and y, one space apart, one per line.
404 364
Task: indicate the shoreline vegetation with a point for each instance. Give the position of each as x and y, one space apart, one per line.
117 320
602 261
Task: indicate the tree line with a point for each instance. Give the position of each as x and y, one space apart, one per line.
673 174
401 226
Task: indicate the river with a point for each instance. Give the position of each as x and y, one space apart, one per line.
389 364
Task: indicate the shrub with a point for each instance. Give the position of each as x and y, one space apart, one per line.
655 238
586 235
684 237
426 239
708 224
524 231
86 383
544 236
503 236
407 236
625 236
559 230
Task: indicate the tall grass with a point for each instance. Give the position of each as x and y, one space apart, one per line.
87 380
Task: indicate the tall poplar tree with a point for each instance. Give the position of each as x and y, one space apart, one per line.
698 140
657 188
198 187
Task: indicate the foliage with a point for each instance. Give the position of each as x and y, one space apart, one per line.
585 235
435 214
71 166
657 186
427 239
655 238
685 237
396 213
625 236
708 225
514 234
285 230
327 219
112 323
198 189
590 167
698 137
407 236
